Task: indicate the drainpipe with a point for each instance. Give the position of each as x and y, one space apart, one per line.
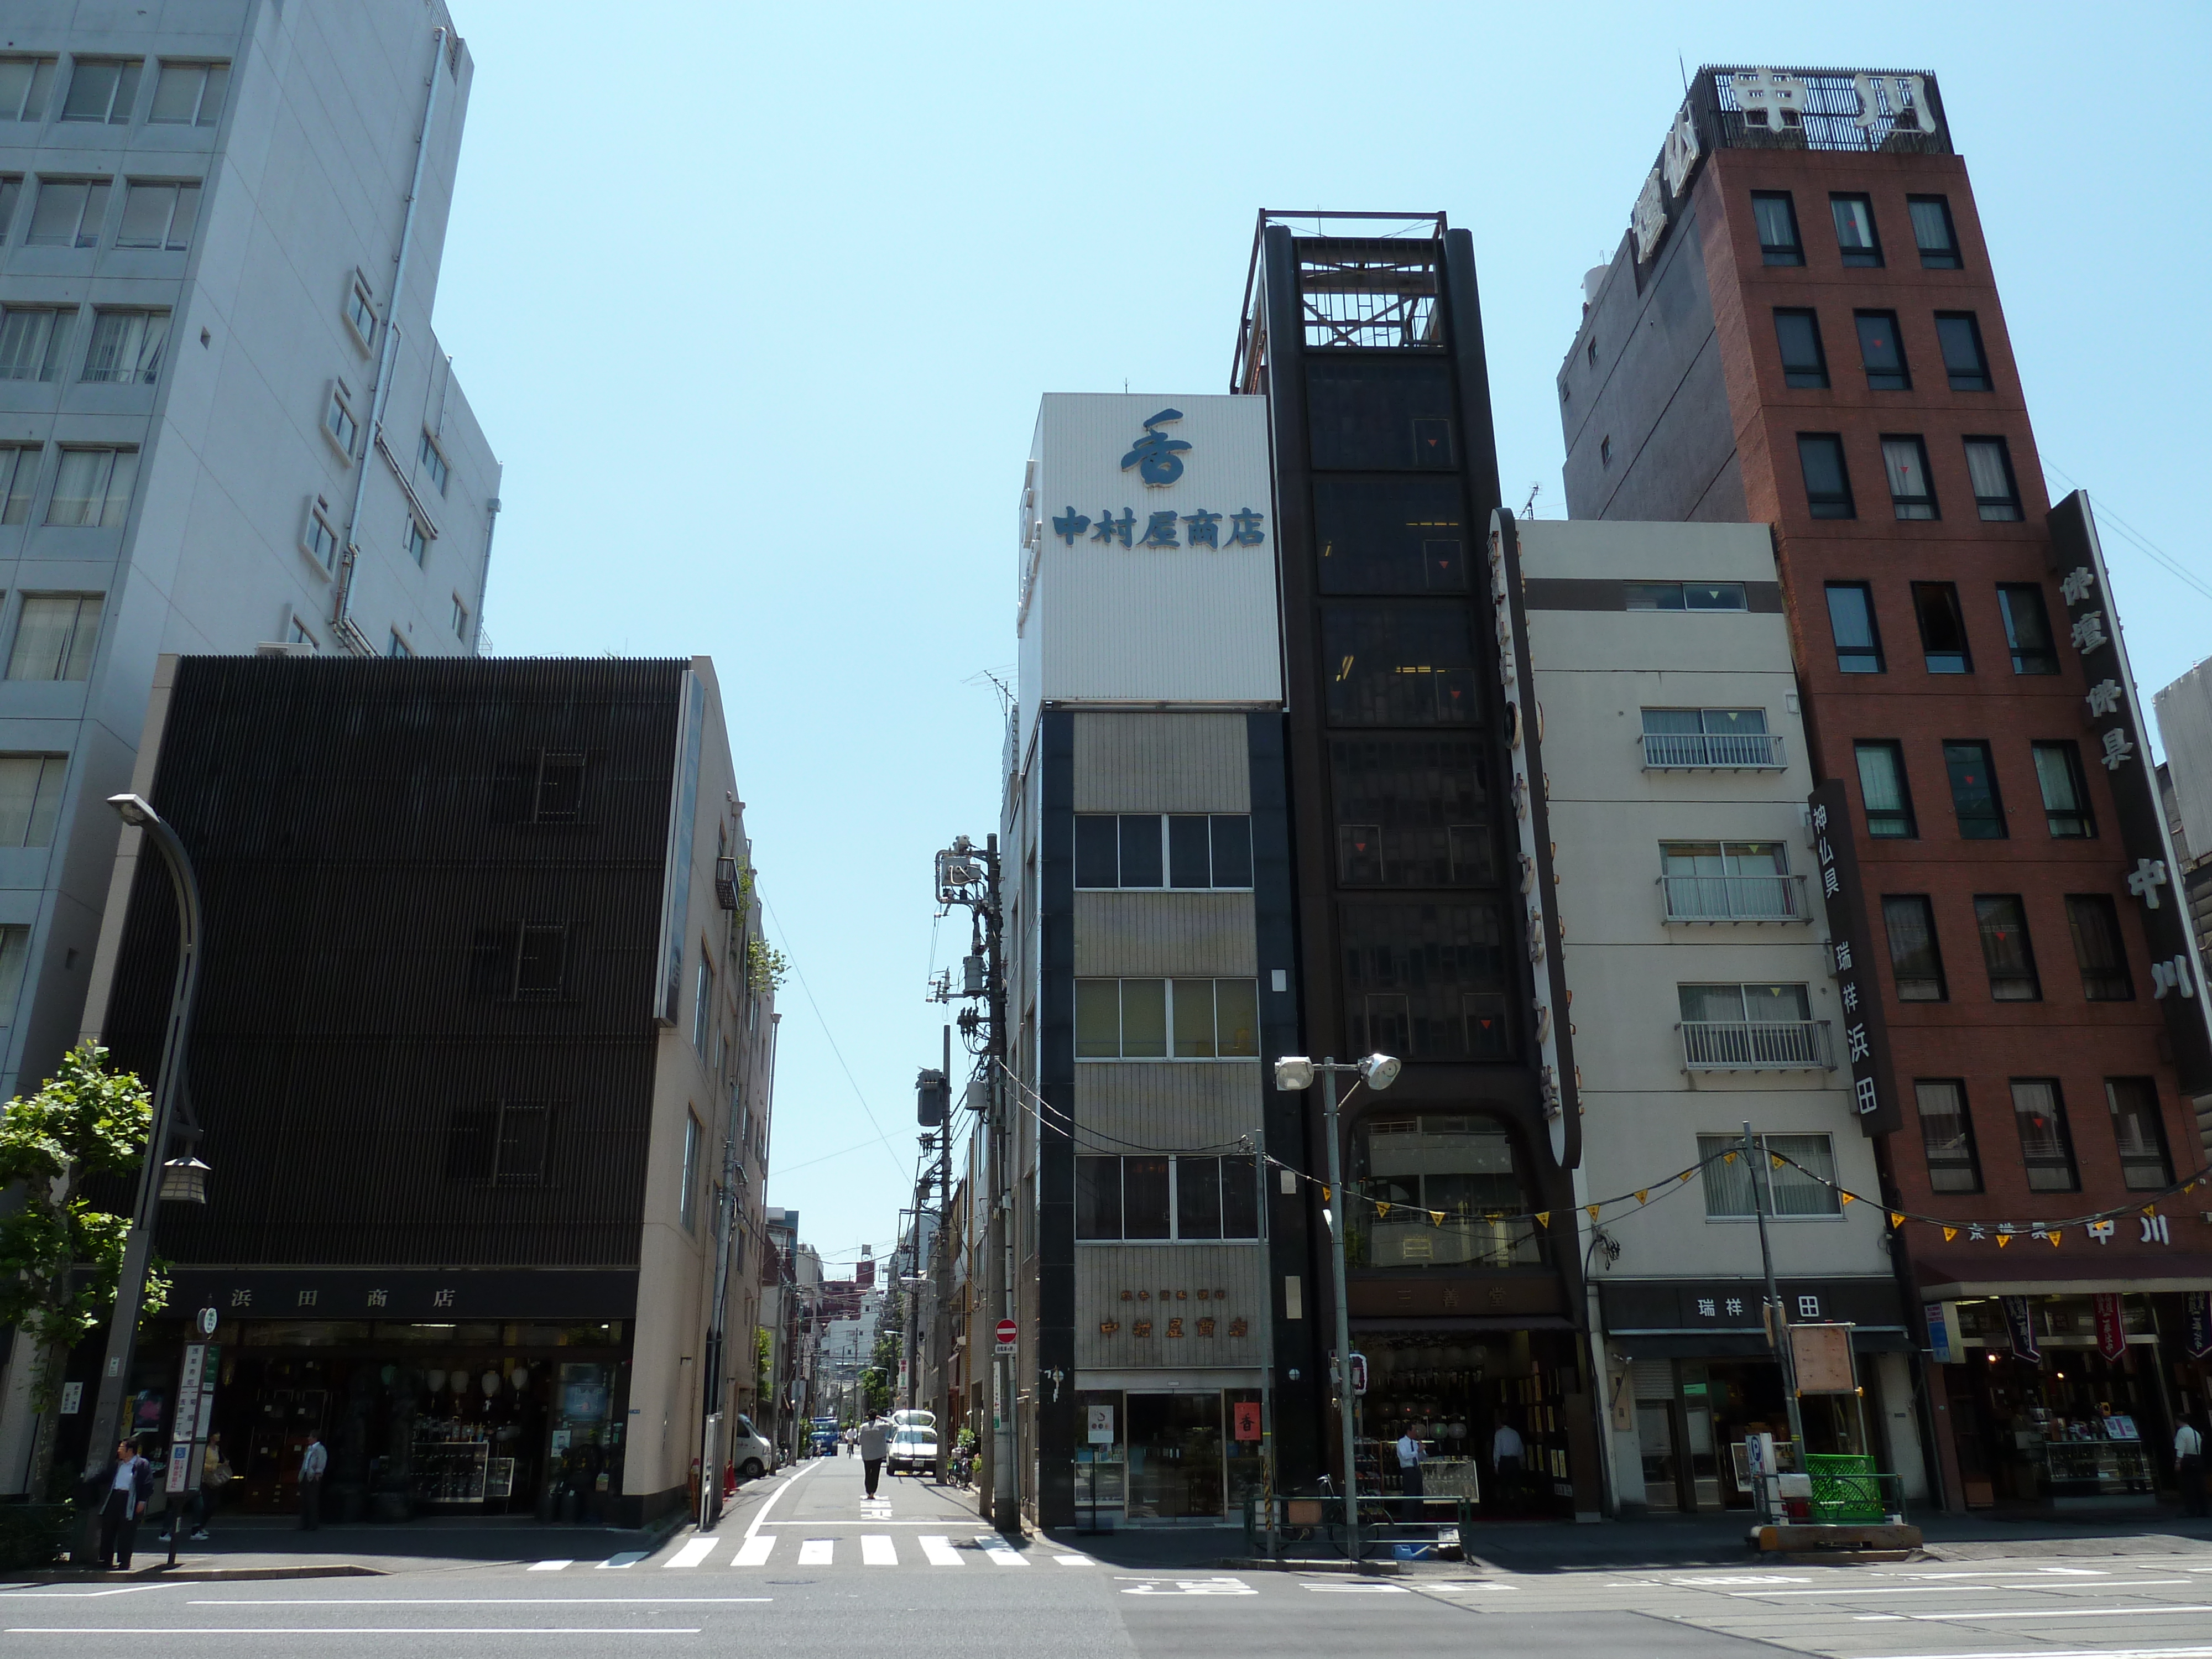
483 576
380 394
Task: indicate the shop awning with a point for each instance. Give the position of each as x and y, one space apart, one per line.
1725 1345
1501 1323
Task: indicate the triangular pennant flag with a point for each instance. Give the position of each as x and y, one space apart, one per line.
2003 1239
1848 1198
1897 1218
1640 1192
1544 1217
2150 1209
2054 1235
1593 1209
1778 1158
1950 1233
1435 1218
1728 1157
1324 1194
1686 1175
1382 1211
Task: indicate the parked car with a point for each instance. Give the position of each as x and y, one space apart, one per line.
914 1419
913 1447
751 1453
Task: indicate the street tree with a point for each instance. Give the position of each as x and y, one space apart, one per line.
60 1258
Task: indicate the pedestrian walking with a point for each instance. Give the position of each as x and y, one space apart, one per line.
875 1438
312 1462
1409 1463
125 1484
215 1475
2189 1467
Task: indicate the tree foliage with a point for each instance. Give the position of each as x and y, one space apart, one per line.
878 1385
60 1259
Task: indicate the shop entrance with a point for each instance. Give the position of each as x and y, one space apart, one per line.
1468 1397
1175 1456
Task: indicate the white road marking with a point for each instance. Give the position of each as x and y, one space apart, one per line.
877 1550
1002 1553
627 1559
472 1600
357 1630
818 1552
551 1566
1947 1589
2063 1613
1359 1589
19 1593
697 1550
940 1552
1220 1586
1075 1560
761 1514
1733 1578
753 1552
2072 1653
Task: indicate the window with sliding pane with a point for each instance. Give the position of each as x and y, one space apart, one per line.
1882 786
2006 952
1974 790
1915 963
1880 353
1803 362
1997 494
1850 619
1946 1135
2027 628
1905 464
2046 1143
2065 795
2099 951
1933 232
1942 630
2139 1133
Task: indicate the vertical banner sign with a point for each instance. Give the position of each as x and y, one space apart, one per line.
2198 1305
2118 747
1248 1418
2112 1330
2020 1320
1865 1037
184 1424
1943 1345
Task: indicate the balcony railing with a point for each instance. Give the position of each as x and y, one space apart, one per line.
1722 750
1717 1045
1735 898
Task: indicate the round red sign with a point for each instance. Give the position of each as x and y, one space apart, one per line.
1008 1330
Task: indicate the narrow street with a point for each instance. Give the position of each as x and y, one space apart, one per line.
805 1564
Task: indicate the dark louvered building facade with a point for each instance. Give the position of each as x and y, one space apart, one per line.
473 1051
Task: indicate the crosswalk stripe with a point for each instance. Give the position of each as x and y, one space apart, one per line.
878 1550
693 1552
1001 1553
1075 1560
627 1559
940 1553
753 1552
818 1552
551 1566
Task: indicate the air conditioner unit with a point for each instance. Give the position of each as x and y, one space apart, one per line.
284 648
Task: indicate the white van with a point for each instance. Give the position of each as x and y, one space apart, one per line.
751 1453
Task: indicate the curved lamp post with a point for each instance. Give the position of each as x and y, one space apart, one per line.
184 1179
1378 1072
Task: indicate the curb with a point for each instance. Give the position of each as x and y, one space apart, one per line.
199 1574
1269 1564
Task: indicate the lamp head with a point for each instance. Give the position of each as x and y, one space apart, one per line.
1294 1072
1379 1071
133 809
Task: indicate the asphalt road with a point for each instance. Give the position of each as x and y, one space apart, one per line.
807 1566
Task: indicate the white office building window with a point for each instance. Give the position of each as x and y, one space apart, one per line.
189 94
338 420
320 540
92 487
11 197
1802 1186
15 949
460 618
26 84
19 473
55 636
33 341
418 541
68 213
158 215
102 90
126 347
30 797
434 463
360 312
398 648
687 1203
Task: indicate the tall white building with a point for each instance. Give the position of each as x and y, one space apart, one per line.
225 421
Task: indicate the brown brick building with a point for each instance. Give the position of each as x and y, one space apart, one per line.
1803 328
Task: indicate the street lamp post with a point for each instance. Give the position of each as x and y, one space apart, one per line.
1378 1072
154 1173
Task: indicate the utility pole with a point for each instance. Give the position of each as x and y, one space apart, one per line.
969 876
1777 1320
940 1270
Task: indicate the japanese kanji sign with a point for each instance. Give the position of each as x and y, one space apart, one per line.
1865 1038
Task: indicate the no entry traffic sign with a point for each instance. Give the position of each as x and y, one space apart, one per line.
1007 1332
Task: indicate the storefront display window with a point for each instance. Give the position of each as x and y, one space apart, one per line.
1441 1187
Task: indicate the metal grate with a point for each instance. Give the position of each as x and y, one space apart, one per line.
1375 286
1795 1045
1842 109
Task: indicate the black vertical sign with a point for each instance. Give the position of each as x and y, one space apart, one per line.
1864 1038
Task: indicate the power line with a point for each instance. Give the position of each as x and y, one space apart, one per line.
2127 532
793 956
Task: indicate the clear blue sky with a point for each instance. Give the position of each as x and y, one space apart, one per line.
756 304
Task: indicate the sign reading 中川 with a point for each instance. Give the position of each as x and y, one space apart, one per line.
1865 1035
2118 749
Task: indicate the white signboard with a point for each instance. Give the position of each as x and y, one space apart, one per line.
1102 1425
